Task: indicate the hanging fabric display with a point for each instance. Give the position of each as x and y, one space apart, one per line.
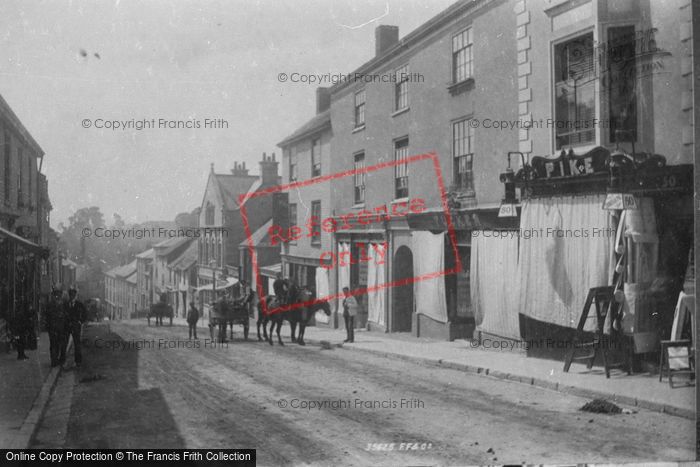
375 278
495 284
567 252
322 290
429 258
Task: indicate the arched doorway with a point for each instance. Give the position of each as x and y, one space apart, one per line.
402 299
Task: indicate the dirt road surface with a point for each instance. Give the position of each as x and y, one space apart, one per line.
305 405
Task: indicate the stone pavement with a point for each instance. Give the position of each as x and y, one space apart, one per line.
639 389
25 386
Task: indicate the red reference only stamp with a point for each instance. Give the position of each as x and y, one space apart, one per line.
315 226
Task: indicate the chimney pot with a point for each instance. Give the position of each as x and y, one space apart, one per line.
273 157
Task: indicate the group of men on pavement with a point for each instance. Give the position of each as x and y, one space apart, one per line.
64 319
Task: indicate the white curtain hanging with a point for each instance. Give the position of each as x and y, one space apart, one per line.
429 258
569 255
322 290
375 277
495 284
343 274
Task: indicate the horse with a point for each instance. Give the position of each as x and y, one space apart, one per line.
301 316
158 310
228 312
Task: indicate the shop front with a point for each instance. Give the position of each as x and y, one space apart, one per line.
20 263
601 219
467 293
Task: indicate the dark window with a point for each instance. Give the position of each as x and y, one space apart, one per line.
359 178
360 108
463 154
462 56
8 157
293 164
316 230
621 83
401 169
316 157
292 217
401 88
209 214
574 83
20 173
29 180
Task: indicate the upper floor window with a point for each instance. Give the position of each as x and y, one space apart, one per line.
293 164
209 214
359 108
401 89
316 157
8 156
359 178
621 82
574 87
463 155
316 229
30 174
401 169
20 174
292 216
462 56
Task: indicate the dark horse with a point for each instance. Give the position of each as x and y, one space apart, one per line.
300 316
158 311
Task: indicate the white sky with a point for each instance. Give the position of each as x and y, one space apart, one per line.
174 60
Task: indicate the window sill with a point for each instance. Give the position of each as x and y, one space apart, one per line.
358 129
400 111
401 200
462 86
358 205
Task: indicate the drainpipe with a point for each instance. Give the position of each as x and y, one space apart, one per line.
388 273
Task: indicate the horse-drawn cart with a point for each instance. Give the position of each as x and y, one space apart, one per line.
228 312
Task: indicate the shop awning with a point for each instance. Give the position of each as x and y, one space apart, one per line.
33 247
229 282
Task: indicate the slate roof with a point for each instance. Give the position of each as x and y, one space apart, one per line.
317 123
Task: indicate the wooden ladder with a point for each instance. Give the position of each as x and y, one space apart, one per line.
604 301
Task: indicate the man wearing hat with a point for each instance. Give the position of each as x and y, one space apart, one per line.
192 318
76 313
57 325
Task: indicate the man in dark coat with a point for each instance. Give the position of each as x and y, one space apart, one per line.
76 313
57 325
192 318
280 286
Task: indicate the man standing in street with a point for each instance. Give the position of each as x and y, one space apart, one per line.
75 311
350 307
192 318
56 324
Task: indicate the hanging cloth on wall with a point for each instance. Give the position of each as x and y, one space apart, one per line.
322 290
495 284
375 278
429 259
569 255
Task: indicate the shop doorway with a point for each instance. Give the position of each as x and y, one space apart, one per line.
402 299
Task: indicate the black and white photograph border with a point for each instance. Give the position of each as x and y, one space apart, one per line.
349 233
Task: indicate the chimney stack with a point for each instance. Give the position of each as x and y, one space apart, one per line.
323 99
239 169
385 37
268 170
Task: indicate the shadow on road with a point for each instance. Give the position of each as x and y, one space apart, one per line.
108 408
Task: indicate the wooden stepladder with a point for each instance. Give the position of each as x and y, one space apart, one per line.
604 301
